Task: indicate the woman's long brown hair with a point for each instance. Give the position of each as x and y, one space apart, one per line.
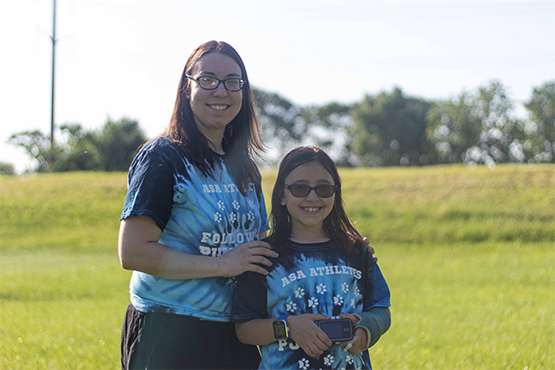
242 138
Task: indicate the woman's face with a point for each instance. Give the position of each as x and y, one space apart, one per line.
214 109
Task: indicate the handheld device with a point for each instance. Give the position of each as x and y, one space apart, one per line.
337 330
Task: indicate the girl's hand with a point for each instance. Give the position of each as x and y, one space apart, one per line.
246 257
360 337
307 334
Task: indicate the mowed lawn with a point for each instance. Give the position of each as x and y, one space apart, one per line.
468 253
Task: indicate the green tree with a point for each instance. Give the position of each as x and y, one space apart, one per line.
283 127
539 142
6 169
118 142
330 127
390 130
37 146
110 149
80 151
453 129
475 128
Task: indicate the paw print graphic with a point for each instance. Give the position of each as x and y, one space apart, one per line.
232 217
221 205
217 217
236 205
250 216
337 300
291 307
349 359
303 364
251 203
321 289
353 302
313 302
299 292
328 360
345 287
357 292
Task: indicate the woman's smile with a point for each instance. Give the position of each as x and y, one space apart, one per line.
219 107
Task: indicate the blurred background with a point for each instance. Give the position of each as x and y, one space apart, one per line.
376 83
388 88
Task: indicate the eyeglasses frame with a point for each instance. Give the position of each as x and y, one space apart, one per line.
243 82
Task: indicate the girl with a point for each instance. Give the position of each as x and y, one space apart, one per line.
323 270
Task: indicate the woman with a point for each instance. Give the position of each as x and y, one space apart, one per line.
192 220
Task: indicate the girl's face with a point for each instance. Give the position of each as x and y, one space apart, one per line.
308 213
213 110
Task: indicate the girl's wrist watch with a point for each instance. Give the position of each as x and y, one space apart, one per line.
281 329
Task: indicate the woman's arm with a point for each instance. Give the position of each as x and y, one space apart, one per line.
138 249
258 332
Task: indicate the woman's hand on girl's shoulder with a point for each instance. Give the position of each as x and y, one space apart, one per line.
246 257
370 248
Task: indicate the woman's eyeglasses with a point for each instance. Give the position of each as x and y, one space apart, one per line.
300 191
212 83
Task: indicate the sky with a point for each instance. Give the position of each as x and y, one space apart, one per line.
117 58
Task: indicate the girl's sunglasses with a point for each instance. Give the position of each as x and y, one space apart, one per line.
301 191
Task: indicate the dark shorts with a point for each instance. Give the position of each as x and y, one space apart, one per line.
169 341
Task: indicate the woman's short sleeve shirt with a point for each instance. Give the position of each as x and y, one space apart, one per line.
197 215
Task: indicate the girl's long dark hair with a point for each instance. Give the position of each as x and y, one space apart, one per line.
242 138
337 226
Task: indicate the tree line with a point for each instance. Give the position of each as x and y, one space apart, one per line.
392 129
387 129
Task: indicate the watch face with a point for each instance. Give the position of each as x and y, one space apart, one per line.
280 329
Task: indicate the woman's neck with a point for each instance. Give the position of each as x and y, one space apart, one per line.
216 148
215 139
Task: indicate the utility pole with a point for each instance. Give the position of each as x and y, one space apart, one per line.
54 40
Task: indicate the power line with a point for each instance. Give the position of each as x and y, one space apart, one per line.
53 38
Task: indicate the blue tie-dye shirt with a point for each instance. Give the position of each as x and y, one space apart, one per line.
311 278
197 215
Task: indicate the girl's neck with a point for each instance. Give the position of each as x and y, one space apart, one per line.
305 236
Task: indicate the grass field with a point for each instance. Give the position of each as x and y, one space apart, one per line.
468 253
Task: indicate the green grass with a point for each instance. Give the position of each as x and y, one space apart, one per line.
468 253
